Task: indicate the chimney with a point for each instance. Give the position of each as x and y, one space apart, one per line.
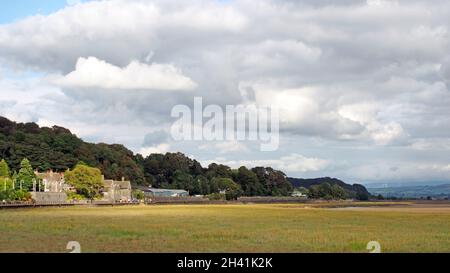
103 177
123 179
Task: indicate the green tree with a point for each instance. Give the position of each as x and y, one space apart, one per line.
4 169
337 192
314 192
185 181
218 170
138 194
213 186
6 183
361 192
232 189
26 175
205 188
249 182
15 195
58 149
327 191
273 182
86 180
303 190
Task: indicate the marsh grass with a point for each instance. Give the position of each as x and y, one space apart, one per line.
223 228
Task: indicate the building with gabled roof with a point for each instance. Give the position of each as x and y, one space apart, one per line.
117 191
53 181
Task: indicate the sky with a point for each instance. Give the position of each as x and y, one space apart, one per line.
12 11
362 86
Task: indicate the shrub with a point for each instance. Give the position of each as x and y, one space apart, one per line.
139 195
15 195
72 196
216 196
327 191
86 180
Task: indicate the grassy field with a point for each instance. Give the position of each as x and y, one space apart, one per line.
225 228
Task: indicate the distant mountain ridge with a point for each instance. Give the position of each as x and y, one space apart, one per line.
355 190
401 184
425 191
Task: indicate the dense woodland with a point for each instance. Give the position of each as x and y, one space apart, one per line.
330 188
58 149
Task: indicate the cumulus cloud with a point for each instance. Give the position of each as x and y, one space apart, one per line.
369 76
225 147
291 163
94 73
431 144
270 55
401 172
299 163
114 30
303 111
158 149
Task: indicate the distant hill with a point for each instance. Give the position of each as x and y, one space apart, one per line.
434 191
397 184
56 148
355 191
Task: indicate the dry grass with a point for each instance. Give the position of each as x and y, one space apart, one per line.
225 228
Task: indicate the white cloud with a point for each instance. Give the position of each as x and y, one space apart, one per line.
300 163
294 163
384 134
366 114
113 30
271 54
400 171
432 144
158 149
225 147
73 2
94 73
363 79
382 3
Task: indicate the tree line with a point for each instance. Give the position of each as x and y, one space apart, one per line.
16 185
329 188
57 149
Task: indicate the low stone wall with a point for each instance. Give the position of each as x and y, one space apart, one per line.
49 197
203 200
176 200
272 199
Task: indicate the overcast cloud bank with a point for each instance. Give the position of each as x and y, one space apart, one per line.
362 86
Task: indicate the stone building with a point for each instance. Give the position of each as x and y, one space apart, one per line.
54 188
53 182
117 191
